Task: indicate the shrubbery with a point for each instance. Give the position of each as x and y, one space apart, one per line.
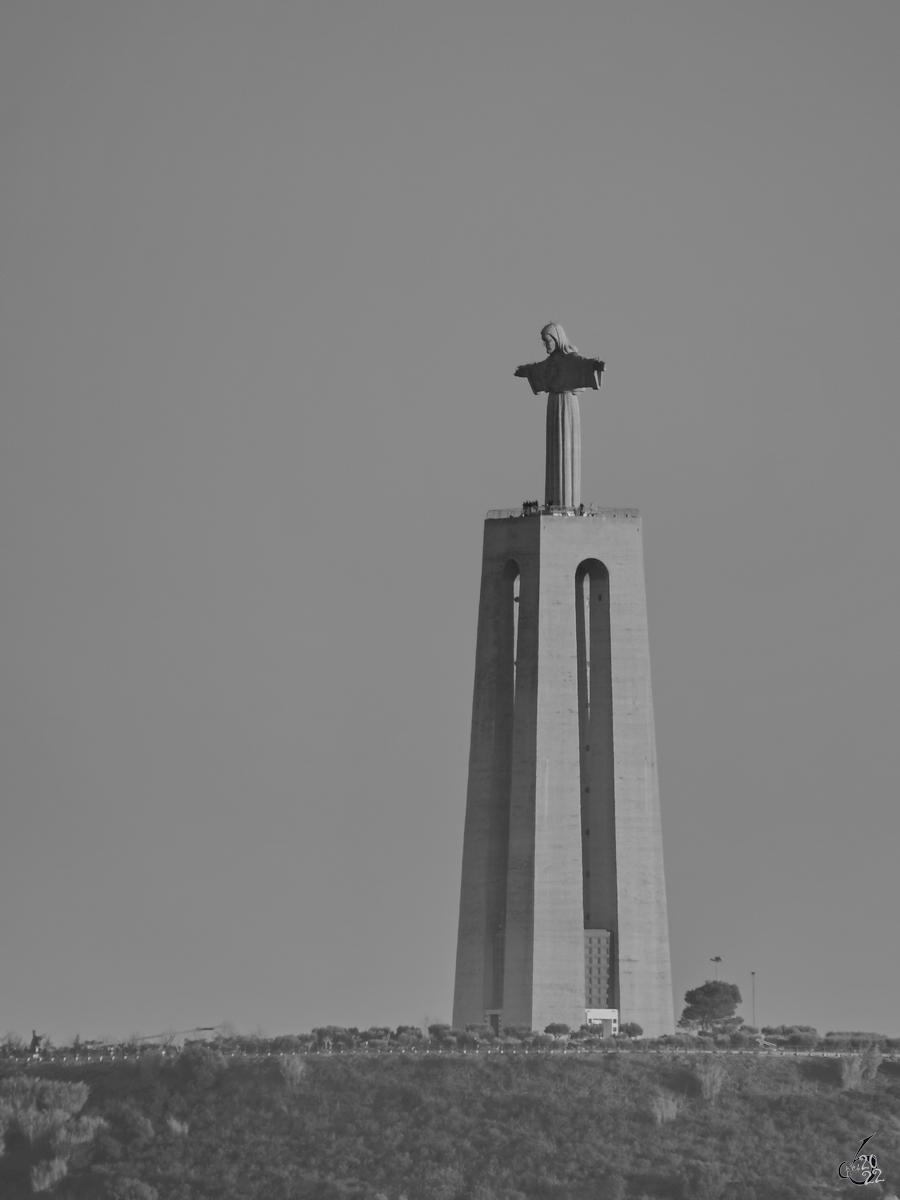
545 1127
710 1003
725 1033
41 1132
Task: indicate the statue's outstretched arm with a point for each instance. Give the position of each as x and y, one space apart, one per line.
534 373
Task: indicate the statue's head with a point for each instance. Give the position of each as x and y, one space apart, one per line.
554 338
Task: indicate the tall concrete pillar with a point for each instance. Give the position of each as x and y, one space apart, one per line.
562 472
562 829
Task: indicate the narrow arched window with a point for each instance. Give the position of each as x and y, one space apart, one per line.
507 632
515 638
595 729
592 632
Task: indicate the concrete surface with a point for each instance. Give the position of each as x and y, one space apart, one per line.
555 675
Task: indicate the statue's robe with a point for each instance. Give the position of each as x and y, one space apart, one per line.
562 373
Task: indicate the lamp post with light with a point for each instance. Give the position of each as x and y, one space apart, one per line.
753 996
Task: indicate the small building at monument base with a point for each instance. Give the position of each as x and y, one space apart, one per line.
606 1018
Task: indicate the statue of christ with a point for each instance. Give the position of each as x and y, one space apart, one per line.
563 374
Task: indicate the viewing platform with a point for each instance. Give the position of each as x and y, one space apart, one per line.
533 508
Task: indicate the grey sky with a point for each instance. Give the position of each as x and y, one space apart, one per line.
267 269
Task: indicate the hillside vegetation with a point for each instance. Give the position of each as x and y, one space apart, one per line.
479 1127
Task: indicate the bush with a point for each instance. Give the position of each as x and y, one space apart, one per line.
803 1041
480 1033
125 1188
293 1068
851 1072
870 1061
150 1064
408 1039
200 1066
11 1046
289 1043
46 1175
664 1107
542 1126
854 1040
742 1039
616 1187
802 1037
857 1069
41 1109
408 1033
128 1124
519 1031
787 1030
40 1128
677 1039
337 1035
711 1075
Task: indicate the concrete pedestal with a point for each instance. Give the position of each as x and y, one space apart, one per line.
562 471
562 820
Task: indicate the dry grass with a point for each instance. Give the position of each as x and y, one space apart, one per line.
711 1075
292 1068
664 1108
859 1069
46 1175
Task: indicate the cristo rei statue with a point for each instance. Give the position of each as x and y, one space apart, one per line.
562 916
563 374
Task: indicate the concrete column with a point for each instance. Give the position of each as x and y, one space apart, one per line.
562 476
533 879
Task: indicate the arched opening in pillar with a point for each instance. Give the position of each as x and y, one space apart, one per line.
515 639
507 612
595 729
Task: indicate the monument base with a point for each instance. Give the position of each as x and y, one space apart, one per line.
562 830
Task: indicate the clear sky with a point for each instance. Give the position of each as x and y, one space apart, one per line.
266 270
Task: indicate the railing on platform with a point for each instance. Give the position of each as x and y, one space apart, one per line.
546 510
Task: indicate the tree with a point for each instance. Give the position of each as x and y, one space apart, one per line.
41 1131
631 1029
481 1032
713 1001
517 1031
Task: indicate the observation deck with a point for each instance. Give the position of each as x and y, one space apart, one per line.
533 508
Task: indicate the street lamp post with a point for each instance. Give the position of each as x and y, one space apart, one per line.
716 960
753 996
